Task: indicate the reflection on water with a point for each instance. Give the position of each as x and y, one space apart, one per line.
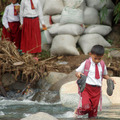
14 110
111 112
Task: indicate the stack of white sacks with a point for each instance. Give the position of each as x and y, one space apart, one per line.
76 22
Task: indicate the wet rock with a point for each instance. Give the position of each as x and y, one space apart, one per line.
70 77
37 97
7 79
47 96
52 97
40 116
53 77
69 95
17 86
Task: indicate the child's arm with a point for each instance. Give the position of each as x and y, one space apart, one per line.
40 12
107 77
4 19
80 70
21 12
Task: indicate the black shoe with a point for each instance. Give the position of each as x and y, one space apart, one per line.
110 87
81 82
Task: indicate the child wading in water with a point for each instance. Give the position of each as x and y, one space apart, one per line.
95 70
11 23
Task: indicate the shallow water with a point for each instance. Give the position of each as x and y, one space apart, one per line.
14 110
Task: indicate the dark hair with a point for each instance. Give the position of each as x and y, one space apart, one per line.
97 50
18 1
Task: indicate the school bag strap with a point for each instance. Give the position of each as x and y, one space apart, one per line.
87 66
103 66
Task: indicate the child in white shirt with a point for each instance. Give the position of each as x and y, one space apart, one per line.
11 23
92 92
30 15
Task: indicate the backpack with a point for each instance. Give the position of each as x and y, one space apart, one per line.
86 70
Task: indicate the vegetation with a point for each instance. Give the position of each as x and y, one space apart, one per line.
0 31
24 66
116 11
44 54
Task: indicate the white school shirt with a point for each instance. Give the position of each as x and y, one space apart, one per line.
8 15
26 11
91 80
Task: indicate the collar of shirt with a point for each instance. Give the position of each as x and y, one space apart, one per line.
93 62
14 4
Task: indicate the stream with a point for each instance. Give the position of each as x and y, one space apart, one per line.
15 109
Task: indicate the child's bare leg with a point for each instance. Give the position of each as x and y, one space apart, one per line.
75 113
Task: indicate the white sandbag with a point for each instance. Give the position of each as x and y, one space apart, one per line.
46 39
54 29
98 4
71 15
56 18
64 45
42 3
98 29
72 29
75 3
91 16
47 21
107 19
53 7
87 41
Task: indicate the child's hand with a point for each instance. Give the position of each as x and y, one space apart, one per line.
8 29
113 80
78 74
44 27
107 77
20 27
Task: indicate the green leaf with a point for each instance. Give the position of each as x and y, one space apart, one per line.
103 13
117 13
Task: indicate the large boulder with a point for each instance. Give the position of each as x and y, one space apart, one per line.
69 94
54 77
70 77
40 116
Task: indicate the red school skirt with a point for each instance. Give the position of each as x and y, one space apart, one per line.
14 35
31 35
90 101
